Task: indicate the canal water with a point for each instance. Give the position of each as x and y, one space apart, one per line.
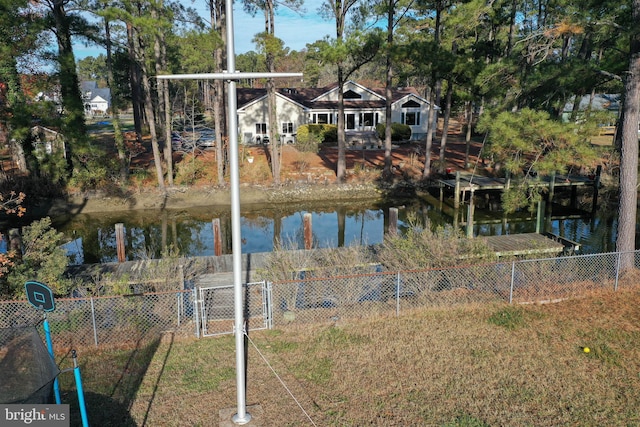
189 232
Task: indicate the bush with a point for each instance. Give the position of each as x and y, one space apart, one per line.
399 132
43 260
94 169
190 170
309 137
424 246
287 260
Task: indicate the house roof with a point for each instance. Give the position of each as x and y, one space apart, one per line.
600 102
306 96
91 88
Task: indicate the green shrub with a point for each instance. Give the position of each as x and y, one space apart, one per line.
426 246
94 169
399 132
310 136
43 260
330 133
189 170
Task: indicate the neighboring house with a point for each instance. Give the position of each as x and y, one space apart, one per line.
611 103
97 101
599 102
47 141
364 108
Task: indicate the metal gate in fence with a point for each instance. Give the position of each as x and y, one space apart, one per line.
215 308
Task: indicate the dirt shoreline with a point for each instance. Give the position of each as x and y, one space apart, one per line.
180 198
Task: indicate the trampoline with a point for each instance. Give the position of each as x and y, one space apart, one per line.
27 371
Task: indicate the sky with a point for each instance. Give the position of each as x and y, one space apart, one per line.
296 30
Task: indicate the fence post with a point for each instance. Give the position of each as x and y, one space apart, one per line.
513 275
180 307
93 319
398 294
615 286
269 304
196 313
178 294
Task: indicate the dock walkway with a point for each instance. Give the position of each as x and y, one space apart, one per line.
466 182
524 244
217 271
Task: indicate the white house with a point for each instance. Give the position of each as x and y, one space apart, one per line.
97 101
364 109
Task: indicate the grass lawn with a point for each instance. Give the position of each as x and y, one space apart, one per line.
490 365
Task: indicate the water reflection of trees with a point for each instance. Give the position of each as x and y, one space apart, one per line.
189 232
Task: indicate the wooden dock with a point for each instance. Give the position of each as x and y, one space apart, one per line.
201 270
468 183
216 271
526 244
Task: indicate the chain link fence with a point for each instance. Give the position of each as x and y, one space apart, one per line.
128 320
118 320
380 294
215 308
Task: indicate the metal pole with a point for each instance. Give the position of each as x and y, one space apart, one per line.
79 389
196 309
615 285
398 295
47 334
178 311
241 417
513 274
93 320
231 76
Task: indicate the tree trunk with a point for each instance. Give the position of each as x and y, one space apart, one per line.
134 79
217 9
426 172
17 118
434 95
467 136
74 127
115 108
445 126
17 152
386 173
629 156
340 10
148 104
164 103
274 146
341 167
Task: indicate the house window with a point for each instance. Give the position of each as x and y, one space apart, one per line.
321 118
261 128
368 119
411 118
287 127
350 121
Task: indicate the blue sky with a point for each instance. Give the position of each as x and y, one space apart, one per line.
296 30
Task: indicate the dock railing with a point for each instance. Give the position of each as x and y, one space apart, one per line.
128 320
